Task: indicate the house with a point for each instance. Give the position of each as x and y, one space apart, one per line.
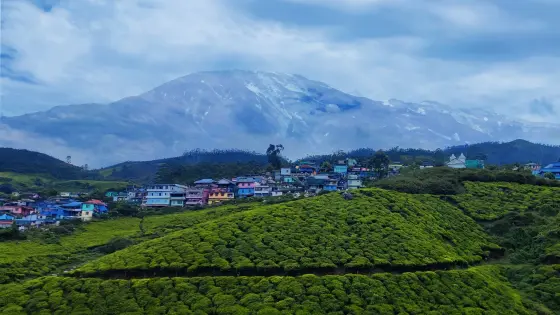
457 162
474 164
354 182
307 167
15 209
122 196
285 171
532 167
263 190
159 195
6 220
197 196
72 209
331 184
341 169
316 183
91 208
245 186
33 220
553 168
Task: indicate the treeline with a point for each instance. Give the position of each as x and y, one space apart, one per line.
496 153
449 181
187 174
146 171
479 290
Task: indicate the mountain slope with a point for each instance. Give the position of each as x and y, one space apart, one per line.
249 110
29 162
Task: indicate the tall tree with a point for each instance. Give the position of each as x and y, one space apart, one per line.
273 154
380 164
326 166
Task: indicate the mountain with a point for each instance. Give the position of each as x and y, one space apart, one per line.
249 110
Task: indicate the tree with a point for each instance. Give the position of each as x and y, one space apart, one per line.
549 175
326 167
380 164
273 154
439 157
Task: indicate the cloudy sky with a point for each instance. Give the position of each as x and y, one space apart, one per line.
501 54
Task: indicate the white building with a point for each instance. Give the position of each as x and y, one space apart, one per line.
262 190
160 195
457 162
354 182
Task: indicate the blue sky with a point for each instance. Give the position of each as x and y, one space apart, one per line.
500 54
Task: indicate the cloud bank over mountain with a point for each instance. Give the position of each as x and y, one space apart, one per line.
495 54
249 110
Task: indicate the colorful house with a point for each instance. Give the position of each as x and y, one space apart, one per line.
341 169
245 187
197 196
553 168
93 207
159 195
6 221
16 210
474 164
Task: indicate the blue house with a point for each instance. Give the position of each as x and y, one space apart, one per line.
341 169
553 168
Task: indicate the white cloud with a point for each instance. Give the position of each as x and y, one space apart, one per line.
97 51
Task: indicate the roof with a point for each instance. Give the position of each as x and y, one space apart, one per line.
6 217
73 204
95 202
224 181
204 181
246 180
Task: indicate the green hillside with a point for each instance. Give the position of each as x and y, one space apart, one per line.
376 229
29 162
488 248
480 290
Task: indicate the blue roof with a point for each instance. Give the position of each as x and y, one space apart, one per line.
6 217
73 204
204 181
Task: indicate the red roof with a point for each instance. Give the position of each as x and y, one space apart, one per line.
96 202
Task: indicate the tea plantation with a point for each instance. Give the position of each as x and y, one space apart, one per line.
492 249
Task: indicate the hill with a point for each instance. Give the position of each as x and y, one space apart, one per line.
30 162
146 171
495 153
377 229
252 109
492 248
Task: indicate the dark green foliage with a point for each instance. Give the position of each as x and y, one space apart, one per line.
115 244
190 173
146 171
449 181
375 228
479 290
29 162
490 201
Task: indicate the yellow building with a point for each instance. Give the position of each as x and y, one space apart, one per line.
218 195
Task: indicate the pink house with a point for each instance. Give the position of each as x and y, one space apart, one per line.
246 187
16 210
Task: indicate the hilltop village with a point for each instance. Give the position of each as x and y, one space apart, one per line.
303 179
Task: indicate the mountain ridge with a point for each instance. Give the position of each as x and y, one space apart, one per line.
249 110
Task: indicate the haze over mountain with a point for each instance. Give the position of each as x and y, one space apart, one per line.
249 110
